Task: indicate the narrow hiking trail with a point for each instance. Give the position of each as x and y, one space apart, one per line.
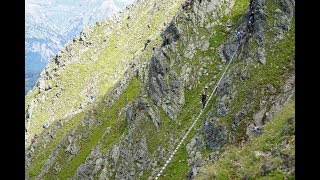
195 121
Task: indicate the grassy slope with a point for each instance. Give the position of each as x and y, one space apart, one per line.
139 29
42 154
238 162
186 117
280 61
110 119
123 46
115 133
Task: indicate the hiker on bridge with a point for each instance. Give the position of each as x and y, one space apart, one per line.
203 99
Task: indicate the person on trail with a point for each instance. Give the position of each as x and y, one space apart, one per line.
251 4
238 36
186 4
34 138
146 43
251 21
154 47
251 17
166 40
46 125
203 98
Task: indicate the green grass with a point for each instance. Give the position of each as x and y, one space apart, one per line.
109 118
178 166
41 155
237 162
112 58
259 77
279 61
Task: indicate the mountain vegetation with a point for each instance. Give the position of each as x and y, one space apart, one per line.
121 101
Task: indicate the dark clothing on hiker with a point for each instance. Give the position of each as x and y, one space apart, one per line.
251 6
146 44
251 19
203 99
238 36
250 22
186 4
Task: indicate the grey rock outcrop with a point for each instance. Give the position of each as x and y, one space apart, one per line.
260 55
209 135
164 85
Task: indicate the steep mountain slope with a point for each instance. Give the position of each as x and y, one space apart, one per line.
51 24
270 155
93 62
139 115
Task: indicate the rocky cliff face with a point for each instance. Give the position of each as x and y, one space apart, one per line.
129 130
92 63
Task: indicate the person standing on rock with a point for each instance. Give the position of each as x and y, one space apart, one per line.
186 4
238 36
203 98
34 138
167 39
251 17
251 4
250 22
154 47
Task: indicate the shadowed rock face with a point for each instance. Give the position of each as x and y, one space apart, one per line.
173 33
209 135
215 135
164 85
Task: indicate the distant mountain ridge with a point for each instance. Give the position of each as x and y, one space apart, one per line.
51 24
